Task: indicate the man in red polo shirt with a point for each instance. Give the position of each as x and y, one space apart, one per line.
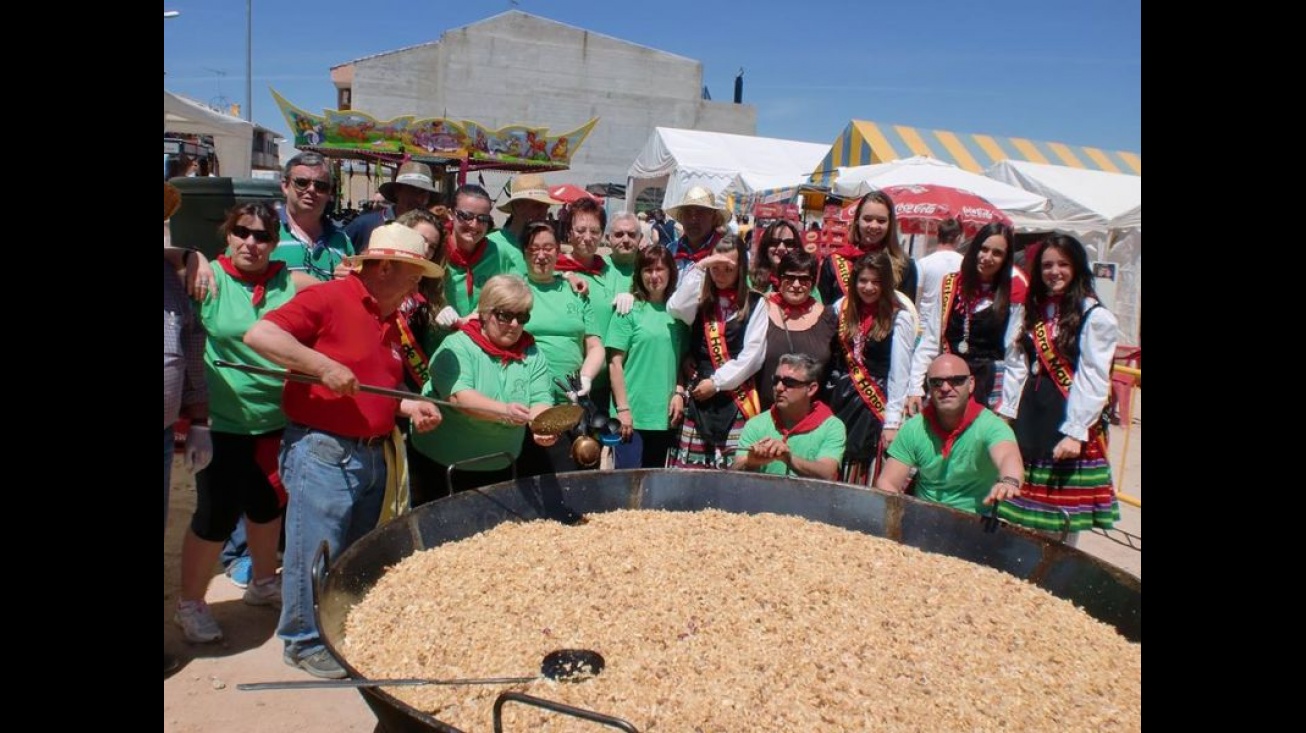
333 451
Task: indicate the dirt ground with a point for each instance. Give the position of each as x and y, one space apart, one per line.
201 696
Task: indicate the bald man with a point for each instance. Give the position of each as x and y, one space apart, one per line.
965 455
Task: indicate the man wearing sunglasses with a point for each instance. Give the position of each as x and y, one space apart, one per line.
312 247
799 435
965 456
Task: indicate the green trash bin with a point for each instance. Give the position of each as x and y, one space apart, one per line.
205 202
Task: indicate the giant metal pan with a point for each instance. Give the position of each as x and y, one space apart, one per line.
1102 590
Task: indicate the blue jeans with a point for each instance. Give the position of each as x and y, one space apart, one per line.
168 438
336 486
235 547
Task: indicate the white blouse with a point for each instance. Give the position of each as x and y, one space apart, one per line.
1091 386
683 304
928 348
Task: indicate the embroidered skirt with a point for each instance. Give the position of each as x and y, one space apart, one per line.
696 449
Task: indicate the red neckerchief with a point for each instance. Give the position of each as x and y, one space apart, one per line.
730 295
472 327
820 411
567 263
973 410
467 261
258 281
775 282
792 312
683 253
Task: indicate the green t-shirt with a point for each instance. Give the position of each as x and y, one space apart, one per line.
623 275
319 258
493 262
966 476
459 364
826 441
240 402
654 342
511 251
560 321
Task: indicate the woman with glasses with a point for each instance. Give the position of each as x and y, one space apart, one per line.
779 238
871 365
493 370
645 347
1058 380
567 331
585 227
246 423
797 323
874 229
727 344
977 317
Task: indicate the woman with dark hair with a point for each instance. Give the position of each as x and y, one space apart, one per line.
779 238
418 330
645 347
246 423
977 317
874 229
796 322
585 226
567 332
1058 380
727 344
871 365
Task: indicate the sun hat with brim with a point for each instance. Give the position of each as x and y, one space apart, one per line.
171 200
398 243
417 175
699 196
528 187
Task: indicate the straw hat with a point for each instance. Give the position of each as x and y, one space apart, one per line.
529 187
700 196
399 243
171 200
412 173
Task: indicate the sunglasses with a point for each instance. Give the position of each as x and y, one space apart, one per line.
789 382
462 215
800 279
955 381
507 317
786 243
260 235
301 185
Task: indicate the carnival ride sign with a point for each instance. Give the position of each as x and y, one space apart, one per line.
351 131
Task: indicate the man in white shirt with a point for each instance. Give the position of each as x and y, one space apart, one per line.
932 267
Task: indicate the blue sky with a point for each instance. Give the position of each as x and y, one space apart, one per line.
1066 72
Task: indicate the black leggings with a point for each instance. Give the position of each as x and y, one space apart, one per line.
233 484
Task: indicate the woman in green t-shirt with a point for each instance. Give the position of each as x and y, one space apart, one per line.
645 347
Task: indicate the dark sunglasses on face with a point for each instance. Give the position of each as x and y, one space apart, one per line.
955 381
302 184
260 235
803 279
789 382
507 317
786 243
473 216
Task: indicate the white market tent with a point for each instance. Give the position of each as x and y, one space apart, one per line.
923 170
233 138
1102 210
726 164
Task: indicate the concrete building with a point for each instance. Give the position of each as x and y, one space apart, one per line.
518 68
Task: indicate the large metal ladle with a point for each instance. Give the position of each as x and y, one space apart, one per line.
553 421
563 665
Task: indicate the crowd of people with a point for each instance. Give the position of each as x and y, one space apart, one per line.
700 351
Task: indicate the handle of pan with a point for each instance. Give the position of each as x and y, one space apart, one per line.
401 394
403 682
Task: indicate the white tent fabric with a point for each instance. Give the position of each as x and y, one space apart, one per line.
1102 210
724 163
924 170
233 138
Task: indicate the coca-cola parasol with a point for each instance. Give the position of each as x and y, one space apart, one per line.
916 205
569 193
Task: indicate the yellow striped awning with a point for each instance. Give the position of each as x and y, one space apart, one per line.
864 143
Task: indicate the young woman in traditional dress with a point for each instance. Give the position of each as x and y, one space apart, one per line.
874 229
1058 379
871 365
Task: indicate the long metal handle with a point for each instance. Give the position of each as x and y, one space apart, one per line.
401 394
557 707
404 682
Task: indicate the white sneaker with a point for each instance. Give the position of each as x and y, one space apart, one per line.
265 592
197 622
